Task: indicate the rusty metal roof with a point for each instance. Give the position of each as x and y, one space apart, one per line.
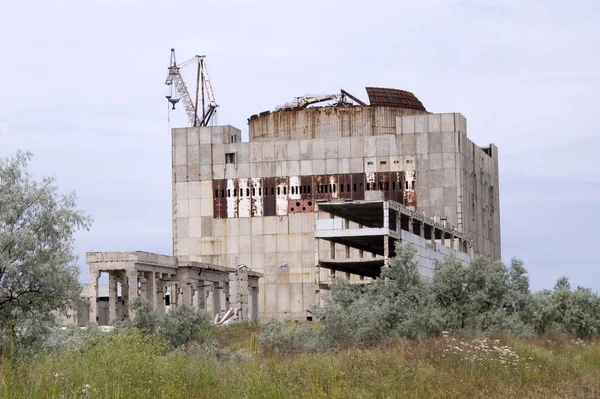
381 97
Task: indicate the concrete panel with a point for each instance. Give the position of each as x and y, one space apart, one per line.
206 207
179 136
270 225
182 228
193 155
383 145
205 172
370 146
305 149
344 165
449 142
318 166
436 178
194 190
434 123
242 152
344 150
356 165
449 178
357 147
435 161
408 125
205 155
205 135
448 123
245 226
293 150
448 160
331 149
331 166
182 209
436 196
306 168
195 207
407 144
282 224
294 168
420 123
318 146
245 244
435 142
282 243
180 155
422 162
218 171
422 141
270 242
268 150
255 152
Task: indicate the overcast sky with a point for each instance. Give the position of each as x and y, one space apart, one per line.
82 86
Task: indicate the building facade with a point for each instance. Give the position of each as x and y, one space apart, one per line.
383 173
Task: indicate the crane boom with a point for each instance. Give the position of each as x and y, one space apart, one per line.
174 78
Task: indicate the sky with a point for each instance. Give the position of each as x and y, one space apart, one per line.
83 90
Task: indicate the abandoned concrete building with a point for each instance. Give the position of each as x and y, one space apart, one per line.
325 191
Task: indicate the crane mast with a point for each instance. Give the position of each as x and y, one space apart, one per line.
177 90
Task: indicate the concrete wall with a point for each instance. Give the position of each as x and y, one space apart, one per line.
455 180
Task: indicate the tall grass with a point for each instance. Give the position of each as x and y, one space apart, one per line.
131 365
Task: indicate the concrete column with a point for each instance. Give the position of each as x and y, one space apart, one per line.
225 290
160 296
132 290
152 290
112 296
254 297
144 286
452 242
411 220
216 302
422 230
93 294
201 294
186 291
239 285
317 276
398 222
443 237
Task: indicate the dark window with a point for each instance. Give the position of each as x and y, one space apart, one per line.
407 184
284 190
393 185
334 188
253 191
308 187
217 193
387 185
341 188
223 193
259 191
348 187
235 192
361 187
278 190
247 192
354 187
228 192
272 190
230 157
413 184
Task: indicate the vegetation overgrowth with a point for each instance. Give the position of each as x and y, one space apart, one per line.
469 331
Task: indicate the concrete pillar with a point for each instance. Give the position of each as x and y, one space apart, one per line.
186 293
112 296
152 290
225 290
317 276
161 291
422 230
216 300
254 297
144 285
239 291
398 222
443 237
132 290
93 294
201 294
411 220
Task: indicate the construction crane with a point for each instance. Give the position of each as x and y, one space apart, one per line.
177 90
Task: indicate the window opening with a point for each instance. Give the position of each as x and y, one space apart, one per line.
230 157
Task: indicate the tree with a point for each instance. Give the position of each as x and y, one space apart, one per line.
38 270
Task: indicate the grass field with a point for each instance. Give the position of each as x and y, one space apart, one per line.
130 365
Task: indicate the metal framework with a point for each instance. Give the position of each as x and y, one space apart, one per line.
175 79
